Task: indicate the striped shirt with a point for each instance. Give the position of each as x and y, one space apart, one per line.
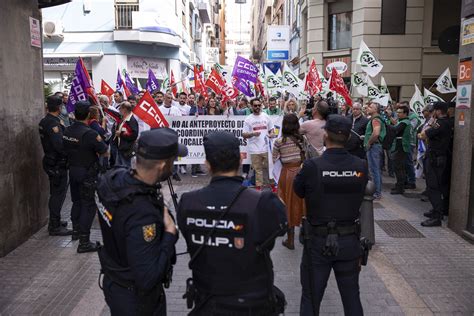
287 152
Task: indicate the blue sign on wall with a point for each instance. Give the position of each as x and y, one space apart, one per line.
278 55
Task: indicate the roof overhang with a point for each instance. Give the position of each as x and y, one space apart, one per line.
50 3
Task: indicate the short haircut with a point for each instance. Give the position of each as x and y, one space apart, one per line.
337 139
405 103
244 100
358 104
404 108
272 99
104 98
94 112
132 97
224 160
201 98
159 92
119 93
322 107
59 93
81 112
126 105
254 100
183 93
53 103
378 107
148 164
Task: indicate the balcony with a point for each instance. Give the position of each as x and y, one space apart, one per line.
204 11
123 15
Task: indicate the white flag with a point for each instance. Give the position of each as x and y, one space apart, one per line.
293 84
273 82
444 83
367 61
430 97
417 103
372 91
384 89
359 81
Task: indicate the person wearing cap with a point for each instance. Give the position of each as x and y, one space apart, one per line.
231 267
138 232
83 145
437 159
54 164
333 187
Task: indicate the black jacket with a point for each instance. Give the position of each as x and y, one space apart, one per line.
359 125
128 135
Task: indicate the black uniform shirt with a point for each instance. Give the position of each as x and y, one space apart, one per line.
51 132
82 145
439 136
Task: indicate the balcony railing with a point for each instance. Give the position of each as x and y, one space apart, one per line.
123 15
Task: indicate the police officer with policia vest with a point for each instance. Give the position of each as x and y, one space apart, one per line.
83 146
138 232
230 231
51 132
333 186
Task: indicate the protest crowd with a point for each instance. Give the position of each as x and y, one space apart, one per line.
281 131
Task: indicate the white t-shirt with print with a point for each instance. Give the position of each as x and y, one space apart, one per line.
184 109
171 111
258 123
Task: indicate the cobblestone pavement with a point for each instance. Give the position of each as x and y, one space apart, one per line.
433 274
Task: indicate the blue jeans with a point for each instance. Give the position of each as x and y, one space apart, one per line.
374 159
410 166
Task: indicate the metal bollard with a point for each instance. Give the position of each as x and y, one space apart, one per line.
367 213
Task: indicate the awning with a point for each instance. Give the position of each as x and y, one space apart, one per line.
64 55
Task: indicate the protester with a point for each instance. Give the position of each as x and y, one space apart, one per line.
167 108
125 135
132 99
182 106
199 108
312 129
96 123
158 97
273 108
374 135
63 114
289 150
291 107
191 100
355 144
118 99
257 129
212 108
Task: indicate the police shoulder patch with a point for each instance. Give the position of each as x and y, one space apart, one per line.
56 129
149 232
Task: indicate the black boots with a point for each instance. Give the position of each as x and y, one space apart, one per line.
56 229
85 245
432 222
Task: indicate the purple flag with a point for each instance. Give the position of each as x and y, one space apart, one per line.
130 85
119 84
79 88
245 69
152 83
243 86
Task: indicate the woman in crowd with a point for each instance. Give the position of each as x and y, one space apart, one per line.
212 108
291 107
289 149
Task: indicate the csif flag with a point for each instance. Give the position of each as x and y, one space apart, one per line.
293 84
81 87
337 84
430 97
367 60
417 103
313 83
444 83
152 84
148 112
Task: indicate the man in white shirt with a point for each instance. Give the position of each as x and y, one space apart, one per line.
167 109
257 129
182 106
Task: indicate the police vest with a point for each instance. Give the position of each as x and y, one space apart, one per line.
80 154
337 190
112 219
229 263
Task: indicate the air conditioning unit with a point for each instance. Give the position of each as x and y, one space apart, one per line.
192 58
53 28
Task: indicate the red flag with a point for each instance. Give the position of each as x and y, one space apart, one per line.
113 114
259 87
105 89
313 83
215 82
198 84
90 90
337 84
148 112
174 88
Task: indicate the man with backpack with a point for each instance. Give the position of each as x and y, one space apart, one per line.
374 136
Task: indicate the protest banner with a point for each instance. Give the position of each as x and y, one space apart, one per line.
192 129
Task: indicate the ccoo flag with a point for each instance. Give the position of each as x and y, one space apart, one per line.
367 60
148 112
130 85
152 84
81 87
245 69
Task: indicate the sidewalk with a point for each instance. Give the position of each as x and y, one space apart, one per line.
430 274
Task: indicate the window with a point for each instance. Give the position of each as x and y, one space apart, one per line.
340 30
446 13
393 17
183 18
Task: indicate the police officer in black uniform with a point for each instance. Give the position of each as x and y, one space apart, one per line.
229 232
333 187
54 164
83 145
437 169
138 233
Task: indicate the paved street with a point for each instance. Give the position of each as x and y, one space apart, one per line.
430 273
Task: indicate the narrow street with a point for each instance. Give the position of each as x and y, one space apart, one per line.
430 273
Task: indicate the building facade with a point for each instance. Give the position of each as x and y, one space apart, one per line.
237 30
403 34
128 35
